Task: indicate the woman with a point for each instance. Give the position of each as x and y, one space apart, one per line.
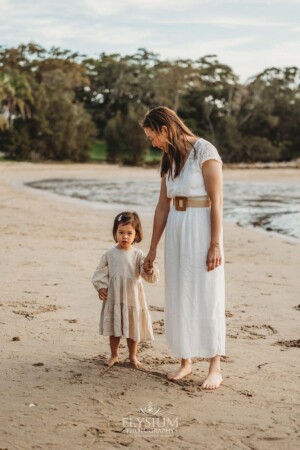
190 208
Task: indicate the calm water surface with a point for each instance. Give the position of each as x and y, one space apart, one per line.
271 206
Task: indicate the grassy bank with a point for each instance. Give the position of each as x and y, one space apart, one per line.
98 153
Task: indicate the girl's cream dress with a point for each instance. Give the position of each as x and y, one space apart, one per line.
125 311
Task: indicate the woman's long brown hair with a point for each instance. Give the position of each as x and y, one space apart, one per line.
155 119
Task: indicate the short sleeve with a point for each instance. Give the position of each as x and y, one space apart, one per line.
100 277
208 151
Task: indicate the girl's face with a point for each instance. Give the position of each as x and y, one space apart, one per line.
159 140
125 236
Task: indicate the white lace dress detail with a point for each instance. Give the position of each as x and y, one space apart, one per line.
190 182
207 151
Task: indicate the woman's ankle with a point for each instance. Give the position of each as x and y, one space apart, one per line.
186 362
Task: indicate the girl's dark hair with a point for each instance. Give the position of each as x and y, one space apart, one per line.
125 218
161 116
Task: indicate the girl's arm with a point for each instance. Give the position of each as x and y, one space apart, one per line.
160 220
100 277
212 174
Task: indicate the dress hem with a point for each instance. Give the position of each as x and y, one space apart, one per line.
128 337
199 356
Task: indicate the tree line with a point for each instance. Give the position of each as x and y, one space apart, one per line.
54 103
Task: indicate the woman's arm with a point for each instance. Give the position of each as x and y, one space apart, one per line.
212 174
160 220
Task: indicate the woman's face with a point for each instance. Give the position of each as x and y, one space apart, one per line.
159 140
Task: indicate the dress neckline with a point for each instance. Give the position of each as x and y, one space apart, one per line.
192 149
124 251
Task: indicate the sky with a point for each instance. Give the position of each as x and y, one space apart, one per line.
248 35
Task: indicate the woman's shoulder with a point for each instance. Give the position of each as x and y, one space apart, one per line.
203 143
206 150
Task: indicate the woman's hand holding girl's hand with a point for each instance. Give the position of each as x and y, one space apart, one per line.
213 259
102 294
150 258
147 268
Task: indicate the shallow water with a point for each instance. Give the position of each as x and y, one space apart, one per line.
271 206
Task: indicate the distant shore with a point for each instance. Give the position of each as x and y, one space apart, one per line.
294 164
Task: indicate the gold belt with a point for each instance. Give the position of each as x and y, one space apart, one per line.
181 203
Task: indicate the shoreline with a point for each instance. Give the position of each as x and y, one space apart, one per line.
56 391
117 207
238 177
282 165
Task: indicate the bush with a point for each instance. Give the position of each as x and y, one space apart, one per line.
125 139
260 149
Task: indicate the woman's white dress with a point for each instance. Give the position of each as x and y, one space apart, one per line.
195 298
125 311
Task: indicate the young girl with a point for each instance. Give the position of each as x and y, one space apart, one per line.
117 279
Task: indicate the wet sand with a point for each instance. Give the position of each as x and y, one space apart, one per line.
56 392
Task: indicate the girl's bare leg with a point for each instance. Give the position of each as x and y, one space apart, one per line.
214 377
185 369
132 347
114 343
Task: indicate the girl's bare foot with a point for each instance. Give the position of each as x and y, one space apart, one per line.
135 362
213 380
185 369
113 360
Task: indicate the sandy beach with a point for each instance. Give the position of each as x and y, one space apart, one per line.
56 392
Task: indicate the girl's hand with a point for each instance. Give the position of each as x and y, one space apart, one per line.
102 294
213 259
147 268
150 258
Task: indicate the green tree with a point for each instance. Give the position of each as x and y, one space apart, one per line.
58 127
16 97
126 141
117 83
270 111
63 128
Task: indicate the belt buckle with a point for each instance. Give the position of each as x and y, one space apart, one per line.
180 203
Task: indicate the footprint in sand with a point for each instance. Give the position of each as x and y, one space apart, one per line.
158 326
144 346
155 360
76 378
96 432
289 344
156 308
252 332
247 393
32 308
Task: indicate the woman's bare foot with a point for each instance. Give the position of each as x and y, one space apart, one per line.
185 369
135 362
111 361
213 380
